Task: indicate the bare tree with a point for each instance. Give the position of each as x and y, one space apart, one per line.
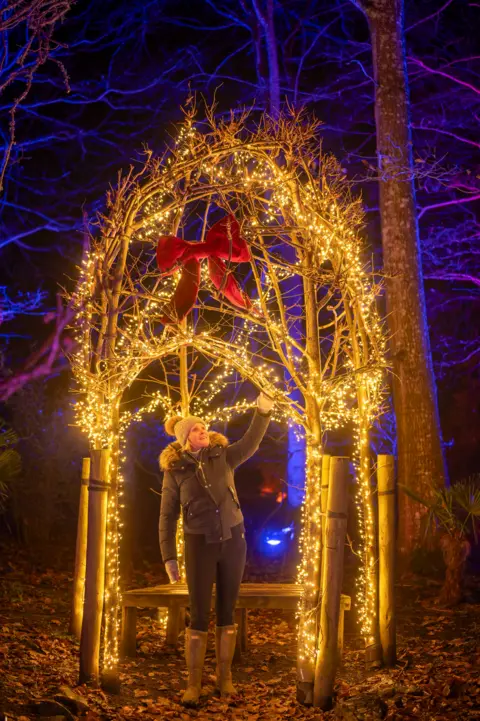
26 32
47 359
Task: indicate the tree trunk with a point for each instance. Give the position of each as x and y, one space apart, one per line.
296 455
272 52
420 456
311 543
370 626
456 549
266 21
185 403
310 568
110 680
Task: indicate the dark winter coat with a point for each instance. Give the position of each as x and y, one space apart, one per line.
204 487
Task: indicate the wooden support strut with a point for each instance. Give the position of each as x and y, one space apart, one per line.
386 550
336 528
323 502
80 554
95 568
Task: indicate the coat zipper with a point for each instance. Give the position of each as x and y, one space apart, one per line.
234 497
204 481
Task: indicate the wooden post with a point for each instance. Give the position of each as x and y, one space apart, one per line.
173 625
345 605
242 633
242 616
327 656
128 645
95 571
386 548
324 500
80 554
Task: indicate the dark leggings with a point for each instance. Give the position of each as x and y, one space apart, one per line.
206 563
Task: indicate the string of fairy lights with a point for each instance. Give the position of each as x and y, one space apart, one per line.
310 555
272 199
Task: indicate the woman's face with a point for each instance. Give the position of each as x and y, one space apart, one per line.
198 436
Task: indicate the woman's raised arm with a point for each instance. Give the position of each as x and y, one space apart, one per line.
243 449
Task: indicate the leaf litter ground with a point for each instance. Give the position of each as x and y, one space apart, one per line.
437 677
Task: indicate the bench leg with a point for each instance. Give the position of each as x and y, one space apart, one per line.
173 625
162 614
241 621
243 628
129 631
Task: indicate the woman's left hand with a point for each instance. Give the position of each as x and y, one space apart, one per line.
265 403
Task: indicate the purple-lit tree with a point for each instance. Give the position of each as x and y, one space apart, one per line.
49 142
420 454
26 32
27 38
43 361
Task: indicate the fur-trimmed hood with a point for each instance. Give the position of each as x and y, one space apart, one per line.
173 452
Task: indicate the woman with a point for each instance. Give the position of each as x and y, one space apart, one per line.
198 478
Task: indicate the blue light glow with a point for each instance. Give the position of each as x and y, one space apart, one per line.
273 541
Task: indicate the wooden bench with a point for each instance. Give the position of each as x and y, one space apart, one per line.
174 597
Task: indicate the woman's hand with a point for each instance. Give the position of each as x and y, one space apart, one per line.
264 403
172 569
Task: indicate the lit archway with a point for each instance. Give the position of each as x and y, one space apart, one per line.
288 201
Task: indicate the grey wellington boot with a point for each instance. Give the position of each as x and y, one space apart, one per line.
225 640
195 647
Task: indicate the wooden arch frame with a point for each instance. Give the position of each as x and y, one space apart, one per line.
287 194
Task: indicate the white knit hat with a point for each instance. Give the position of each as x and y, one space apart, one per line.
181 427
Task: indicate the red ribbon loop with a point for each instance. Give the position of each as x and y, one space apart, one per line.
223 242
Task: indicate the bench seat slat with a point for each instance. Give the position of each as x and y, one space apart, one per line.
252 595
174 597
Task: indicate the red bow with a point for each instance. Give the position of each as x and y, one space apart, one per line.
223 242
